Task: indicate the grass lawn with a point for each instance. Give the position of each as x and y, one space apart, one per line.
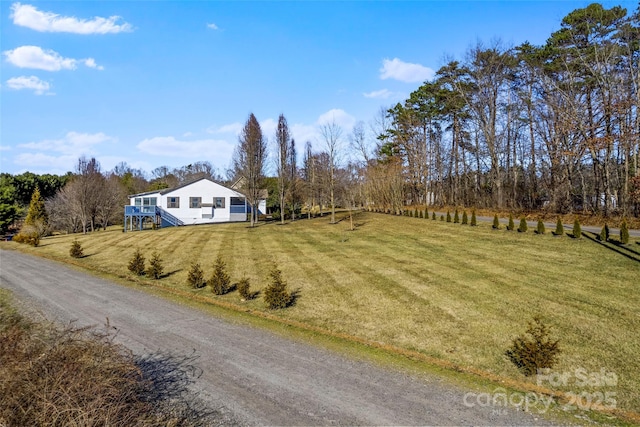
451 292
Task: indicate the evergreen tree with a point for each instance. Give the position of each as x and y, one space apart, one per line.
523 225
496 222
220 280
136 263
415 213
244 289
604 234
276 295
559 228
465 218
37 214
474 222
448 216
456 217
196 276
624 232
511 225
155 268
442 217
540 228
577 230
76 249
433 216
421 214
426 213
35 224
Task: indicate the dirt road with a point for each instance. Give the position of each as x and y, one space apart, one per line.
251 375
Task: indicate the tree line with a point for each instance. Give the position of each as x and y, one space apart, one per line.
555 126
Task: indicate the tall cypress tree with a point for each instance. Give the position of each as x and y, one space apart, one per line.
624 232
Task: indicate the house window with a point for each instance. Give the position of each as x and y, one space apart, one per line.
148 201
218 202
173 202
237 201
195 202
138 201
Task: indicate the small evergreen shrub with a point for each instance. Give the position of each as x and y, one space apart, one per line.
76 249
559 231
511 225
534 349
415 213
456 217
442 218
624 232
540 228
421 215
196 276
433 216
244 289
577 230
474 221
29 235
523 225
155 268
426 213
465 218
276 295
220 280
448 216
496 222
604 234
136 263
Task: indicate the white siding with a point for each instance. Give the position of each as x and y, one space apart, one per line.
207 191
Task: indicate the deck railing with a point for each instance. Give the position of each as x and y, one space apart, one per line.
140 210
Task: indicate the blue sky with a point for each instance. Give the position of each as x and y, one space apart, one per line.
157 83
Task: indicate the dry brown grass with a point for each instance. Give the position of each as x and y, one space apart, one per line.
68 376
450 292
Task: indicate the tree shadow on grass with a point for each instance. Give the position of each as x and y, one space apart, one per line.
614 246
170 273
168 379
295 295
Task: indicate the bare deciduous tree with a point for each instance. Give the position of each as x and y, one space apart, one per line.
332 135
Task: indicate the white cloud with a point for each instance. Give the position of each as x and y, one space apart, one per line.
233 128
32 83
405 71
5 148
340 117
91 63
213 26
74 144
29 16
169 146
303 133
48 60
60 155
268 128
380 94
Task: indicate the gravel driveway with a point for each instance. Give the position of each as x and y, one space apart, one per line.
251 376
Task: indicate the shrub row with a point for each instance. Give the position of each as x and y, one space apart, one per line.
276 295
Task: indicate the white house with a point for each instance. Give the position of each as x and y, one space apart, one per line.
199 202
